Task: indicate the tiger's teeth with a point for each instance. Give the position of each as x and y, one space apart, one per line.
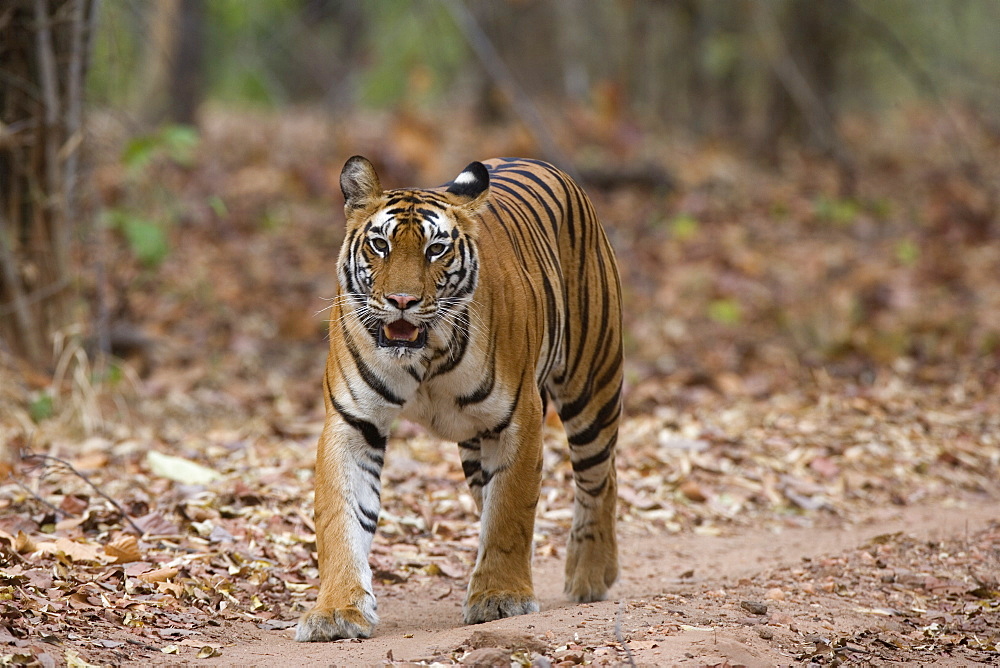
400 330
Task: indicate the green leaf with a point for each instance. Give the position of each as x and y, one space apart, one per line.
139 152
41 408
725 311
146 239
218 206
838 211
907 252
176 142
684 226
180 143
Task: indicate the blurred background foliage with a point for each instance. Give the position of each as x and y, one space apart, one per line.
712 66
747 155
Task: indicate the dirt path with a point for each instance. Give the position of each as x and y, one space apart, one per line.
698 600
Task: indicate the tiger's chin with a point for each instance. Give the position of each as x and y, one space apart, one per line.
401 334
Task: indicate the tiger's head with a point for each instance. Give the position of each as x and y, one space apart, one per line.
409 261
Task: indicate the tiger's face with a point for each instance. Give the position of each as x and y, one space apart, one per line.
409 261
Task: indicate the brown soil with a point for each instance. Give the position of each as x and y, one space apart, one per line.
750 597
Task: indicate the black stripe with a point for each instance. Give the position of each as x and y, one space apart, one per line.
456 348
488 475
595 491
471 467
505 422
367 429
609 412
366 524
485 388
597 458
373 471
569 411
370 514
368 375
545 187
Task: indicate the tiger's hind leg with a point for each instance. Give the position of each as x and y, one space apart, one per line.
592 552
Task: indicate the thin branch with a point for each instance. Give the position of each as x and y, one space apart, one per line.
98 490
37 498
792 78
523 105
53 111
909 64
41 294
621 636
47 63
74 108
816 114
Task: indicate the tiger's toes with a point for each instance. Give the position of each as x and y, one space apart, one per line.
487 606
325 625
588 579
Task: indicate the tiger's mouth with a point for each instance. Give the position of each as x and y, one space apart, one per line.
401 334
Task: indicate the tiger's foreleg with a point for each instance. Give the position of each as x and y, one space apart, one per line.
509 477
348 466
470 452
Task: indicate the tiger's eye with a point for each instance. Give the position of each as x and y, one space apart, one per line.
435 249
380 245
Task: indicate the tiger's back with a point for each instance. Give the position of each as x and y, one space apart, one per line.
469 308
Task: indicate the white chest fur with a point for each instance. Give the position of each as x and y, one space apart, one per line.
436 406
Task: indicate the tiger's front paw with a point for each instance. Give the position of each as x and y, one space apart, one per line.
490 605
319 625
591 569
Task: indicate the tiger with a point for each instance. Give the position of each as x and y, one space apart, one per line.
470 308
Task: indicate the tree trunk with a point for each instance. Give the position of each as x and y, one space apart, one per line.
174 65
44 51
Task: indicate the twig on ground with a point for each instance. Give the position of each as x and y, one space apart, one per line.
35 496
98 490
620 636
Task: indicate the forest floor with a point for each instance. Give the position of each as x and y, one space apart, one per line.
808 468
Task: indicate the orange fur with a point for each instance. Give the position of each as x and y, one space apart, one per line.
467 308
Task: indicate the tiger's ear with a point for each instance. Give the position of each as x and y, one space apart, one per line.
359 183
471 187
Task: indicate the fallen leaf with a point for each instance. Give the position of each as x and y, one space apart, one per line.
208 652
693 491
124 549
158 575
155 524
179 469
73 660
171 588
882 612
73 550
24 544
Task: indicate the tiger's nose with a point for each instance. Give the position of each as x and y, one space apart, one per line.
402 301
